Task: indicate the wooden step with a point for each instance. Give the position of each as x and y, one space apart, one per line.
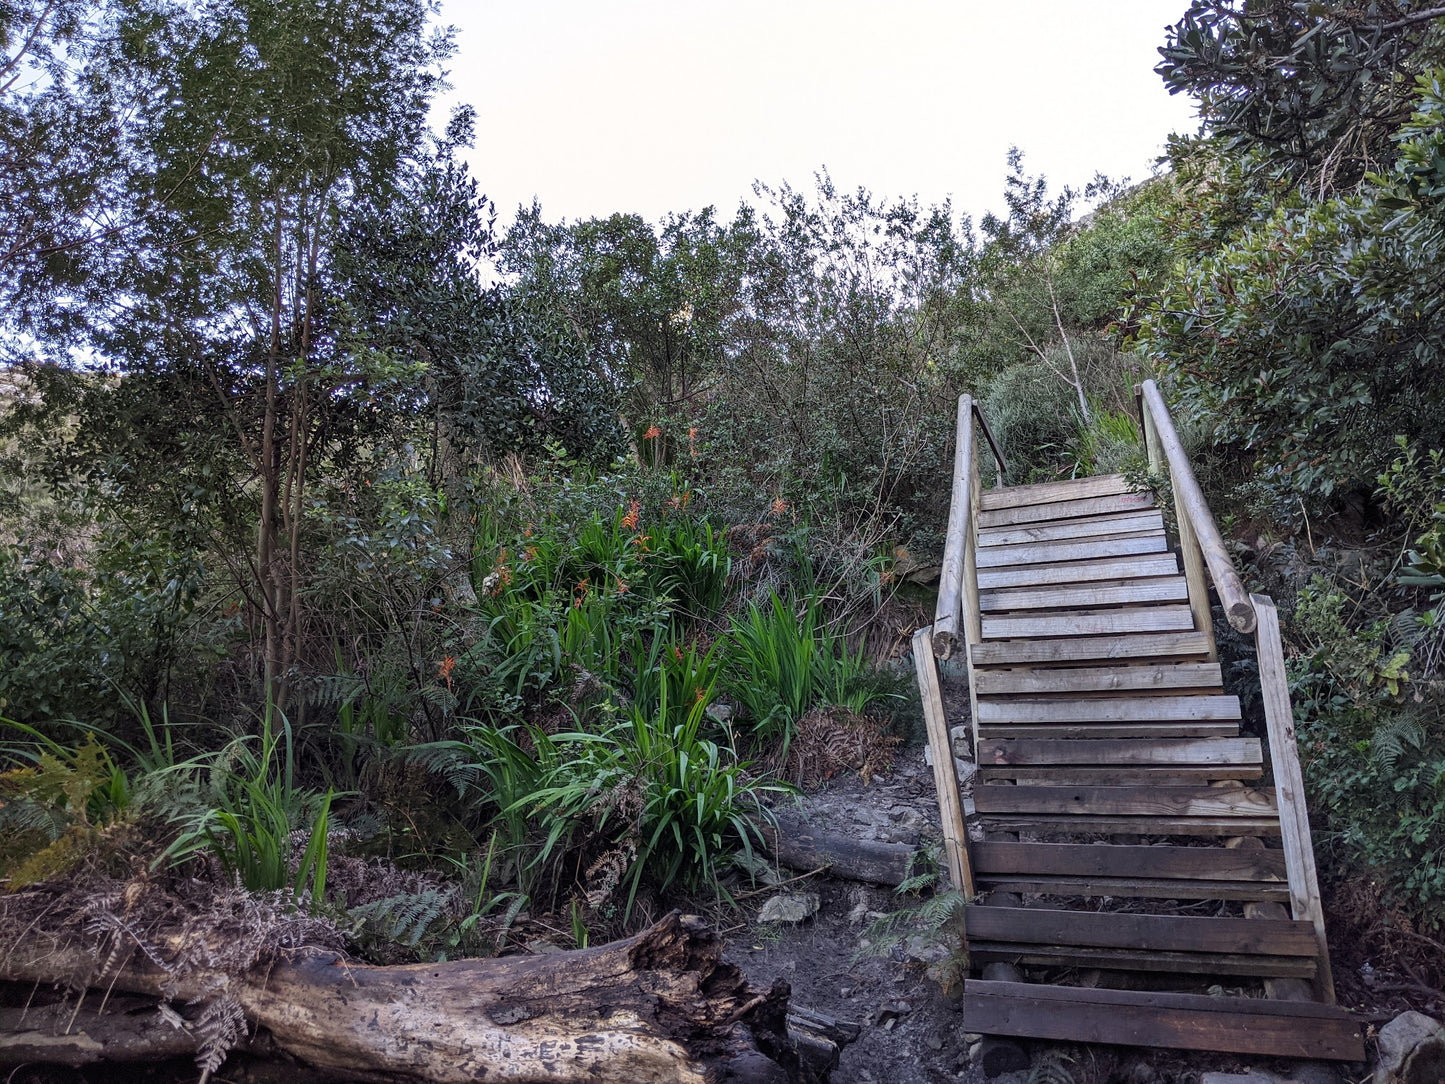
1136 801
1165 933
1072 824
1108 593
1174 775
1088 623
1122 888
1090 648
1109 709
1099 485
1114 860
1068 509
1169 752
1088 527
1235 1025
1098 679
1255 964
1043 553
1074 572
1143 731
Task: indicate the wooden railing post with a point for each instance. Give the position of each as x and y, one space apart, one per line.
945 778
1289 787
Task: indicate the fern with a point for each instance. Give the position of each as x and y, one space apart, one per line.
1054 1067
407 917
1394 737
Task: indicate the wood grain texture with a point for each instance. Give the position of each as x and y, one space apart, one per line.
1089 527
948 612
1073 572
1136 801
1284 758
1089 649
1223 729
1118 860
1119 888
1154 589
1256 964
1100 679
1099 485
1088 623
1160 751
1041 553
1181 1021
1118 929
1070 509
1109 709
945 779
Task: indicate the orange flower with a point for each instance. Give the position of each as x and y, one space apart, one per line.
701 692
530 553
677 653
634 512
641 542
779 506
445 668
674 502
622 587
652 433
692 440
581 591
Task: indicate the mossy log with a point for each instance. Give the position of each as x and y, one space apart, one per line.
660 1006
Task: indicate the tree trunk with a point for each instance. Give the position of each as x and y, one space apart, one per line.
657 1007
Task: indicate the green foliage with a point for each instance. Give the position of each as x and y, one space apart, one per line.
782 660
1312 337
256 813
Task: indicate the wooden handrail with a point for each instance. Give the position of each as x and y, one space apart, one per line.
948 613
992 444
1195 509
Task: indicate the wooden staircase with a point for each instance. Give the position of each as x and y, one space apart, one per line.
1138 852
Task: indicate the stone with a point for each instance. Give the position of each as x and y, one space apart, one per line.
1411 1051
1239 1078
933 1042
920 949
966 770
961 738
790 908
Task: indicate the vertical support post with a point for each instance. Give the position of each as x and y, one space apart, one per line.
1294 823
945 779
1189 549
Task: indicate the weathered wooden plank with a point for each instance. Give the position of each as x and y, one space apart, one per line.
1088 623
1138 801
1088 506
1042 553
1182 1021
1117 860
1284 759
955 837
1132 887
1118 752
1135 709
1090 527
1099 679
1201 729
1099 485
1186 963
1072 572
1181 775
1073 824
1089 648
1156 589
1165 933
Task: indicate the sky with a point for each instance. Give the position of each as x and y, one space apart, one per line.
599 106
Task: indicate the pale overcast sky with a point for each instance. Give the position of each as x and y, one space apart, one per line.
596 106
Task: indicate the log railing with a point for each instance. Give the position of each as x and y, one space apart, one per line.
957 609
1200 543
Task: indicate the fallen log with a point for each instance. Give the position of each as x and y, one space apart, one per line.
798 845
660 1006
